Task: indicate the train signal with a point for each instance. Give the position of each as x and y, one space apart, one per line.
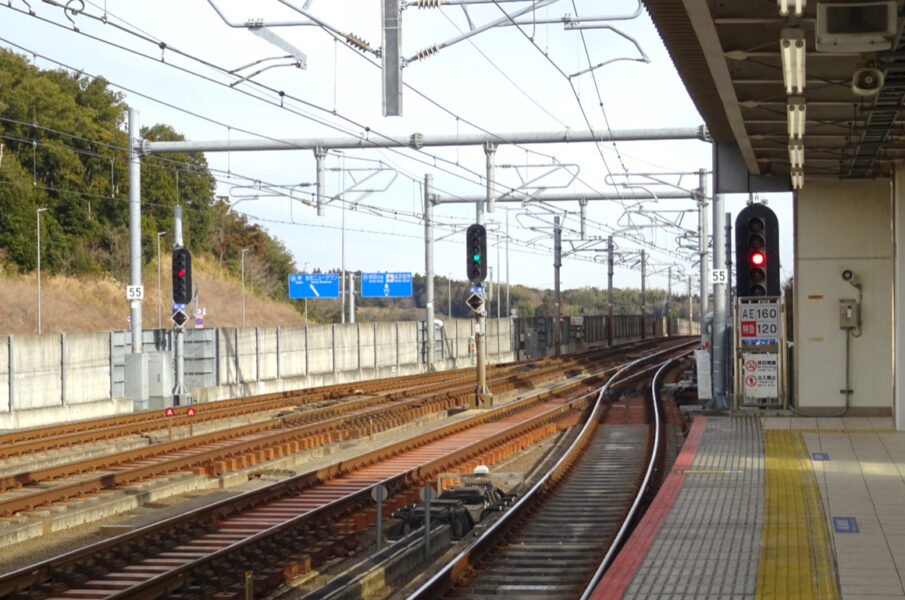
182 276
476 249
757 252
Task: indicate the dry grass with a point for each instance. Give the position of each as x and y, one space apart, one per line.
92 303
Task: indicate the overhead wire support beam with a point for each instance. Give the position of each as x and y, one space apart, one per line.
418 140
568 197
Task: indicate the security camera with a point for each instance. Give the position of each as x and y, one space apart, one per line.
849 276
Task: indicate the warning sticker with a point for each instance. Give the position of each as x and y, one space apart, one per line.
761 375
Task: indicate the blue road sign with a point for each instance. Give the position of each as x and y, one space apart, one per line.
314 285
476 289
386 285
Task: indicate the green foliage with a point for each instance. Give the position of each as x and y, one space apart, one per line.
65 149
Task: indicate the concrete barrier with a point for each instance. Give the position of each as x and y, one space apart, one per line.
268 357
293 352
5 381
86 368
37 371
66 377
320 349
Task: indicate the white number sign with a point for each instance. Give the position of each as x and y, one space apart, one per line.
135 292
719 276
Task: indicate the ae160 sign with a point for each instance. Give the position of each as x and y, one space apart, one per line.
759 323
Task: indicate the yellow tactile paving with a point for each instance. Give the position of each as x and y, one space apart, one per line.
796 559
845 431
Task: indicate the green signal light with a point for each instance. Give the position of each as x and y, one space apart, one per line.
477 257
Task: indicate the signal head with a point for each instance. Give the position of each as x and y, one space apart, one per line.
757 252
182 276
476 248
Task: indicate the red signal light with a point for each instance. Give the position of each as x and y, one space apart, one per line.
169 412
758 259
181 273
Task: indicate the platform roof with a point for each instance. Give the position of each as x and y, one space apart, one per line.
727 52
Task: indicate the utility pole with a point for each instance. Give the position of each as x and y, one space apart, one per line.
429 272
609 290
159 299
689 307
38 229
342 276
668 295
702 242
718 337
351 297
557 262
508 309
499 292
643 294
135 225
242 262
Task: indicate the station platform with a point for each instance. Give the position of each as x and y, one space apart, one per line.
773 507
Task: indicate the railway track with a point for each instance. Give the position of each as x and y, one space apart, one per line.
52 438
48 439
559 538
293 525
219 452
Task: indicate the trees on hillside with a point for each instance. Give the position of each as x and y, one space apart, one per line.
65 149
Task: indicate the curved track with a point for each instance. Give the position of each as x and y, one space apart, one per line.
561 535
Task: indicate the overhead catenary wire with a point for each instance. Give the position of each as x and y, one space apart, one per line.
405 155
280 101
144 36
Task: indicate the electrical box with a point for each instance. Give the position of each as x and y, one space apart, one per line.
849 313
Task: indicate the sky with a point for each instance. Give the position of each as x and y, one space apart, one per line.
180 63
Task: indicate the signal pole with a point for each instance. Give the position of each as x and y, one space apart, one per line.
180 392
476 271
720 318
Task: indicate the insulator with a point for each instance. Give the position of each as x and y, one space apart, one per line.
356 42
430 51
429 3
416 141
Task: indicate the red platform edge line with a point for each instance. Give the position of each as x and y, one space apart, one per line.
620 573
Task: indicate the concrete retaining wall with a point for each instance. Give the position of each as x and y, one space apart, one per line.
86 368
293 351
4 376
80 376
36 371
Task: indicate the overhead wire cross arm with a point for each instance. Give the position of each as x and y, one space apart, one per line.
261 29
431 50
